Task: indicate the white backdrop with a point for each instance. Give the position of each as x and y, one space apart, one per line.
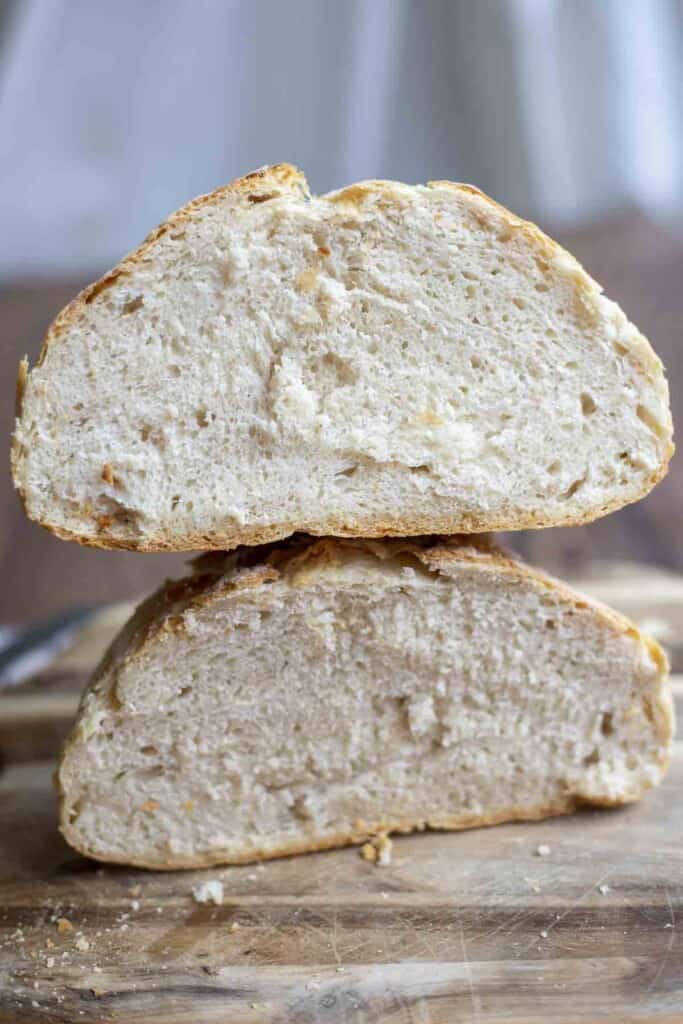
112 114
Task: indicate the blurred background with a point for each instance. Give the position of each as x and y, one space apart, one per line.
112 115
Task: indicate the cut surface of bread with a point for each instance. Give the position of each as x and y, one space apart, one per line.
382 360
308 695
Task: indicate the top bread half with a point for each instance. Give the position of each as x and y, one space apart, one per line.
382 360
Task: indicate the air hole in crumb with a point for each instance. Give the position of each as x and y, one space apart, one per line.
620 349
202 417
541 287
185 690
422 470
571 365
649 420
550 624
593 758
174 370
519 303
174 500
574 487
588 405
554 468
347 472
475 362
132 305
607 724
470 291
148 750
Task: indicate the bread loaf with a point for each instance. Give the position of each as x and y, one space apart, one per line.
383 360
307 695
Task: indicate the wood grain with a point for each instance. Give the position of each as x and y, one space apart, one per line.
469 926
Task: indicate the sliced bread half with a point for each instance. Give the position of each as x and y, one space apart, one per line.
383 360
308 695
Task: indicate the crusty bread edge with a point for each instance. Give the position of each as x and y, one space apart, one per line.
368 526
277 180
339 839
305 562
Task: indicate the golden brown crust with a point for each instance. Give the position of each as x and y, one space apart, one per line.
455 823
282 179
375 526
303 561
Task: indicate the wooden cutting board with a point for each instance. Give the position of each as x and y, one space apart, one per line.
472 926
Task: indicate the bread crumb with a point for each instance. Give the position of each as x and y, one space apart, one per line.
542 850
603 889
135 904
544 934
208 892
234 926
82 945
383 845
49 944
107 473
64 925
135 890
50 962
377 850
306 279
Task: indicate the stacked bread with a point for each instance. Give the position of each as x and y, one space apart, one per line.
333 397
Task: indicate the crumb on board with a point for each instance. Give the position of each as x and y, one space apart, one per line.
64 925
135 890
542 850
208 892
377 850
234 926
82 944
603 889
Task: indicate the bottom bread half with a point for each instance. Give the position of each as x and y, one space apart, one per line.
308 694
